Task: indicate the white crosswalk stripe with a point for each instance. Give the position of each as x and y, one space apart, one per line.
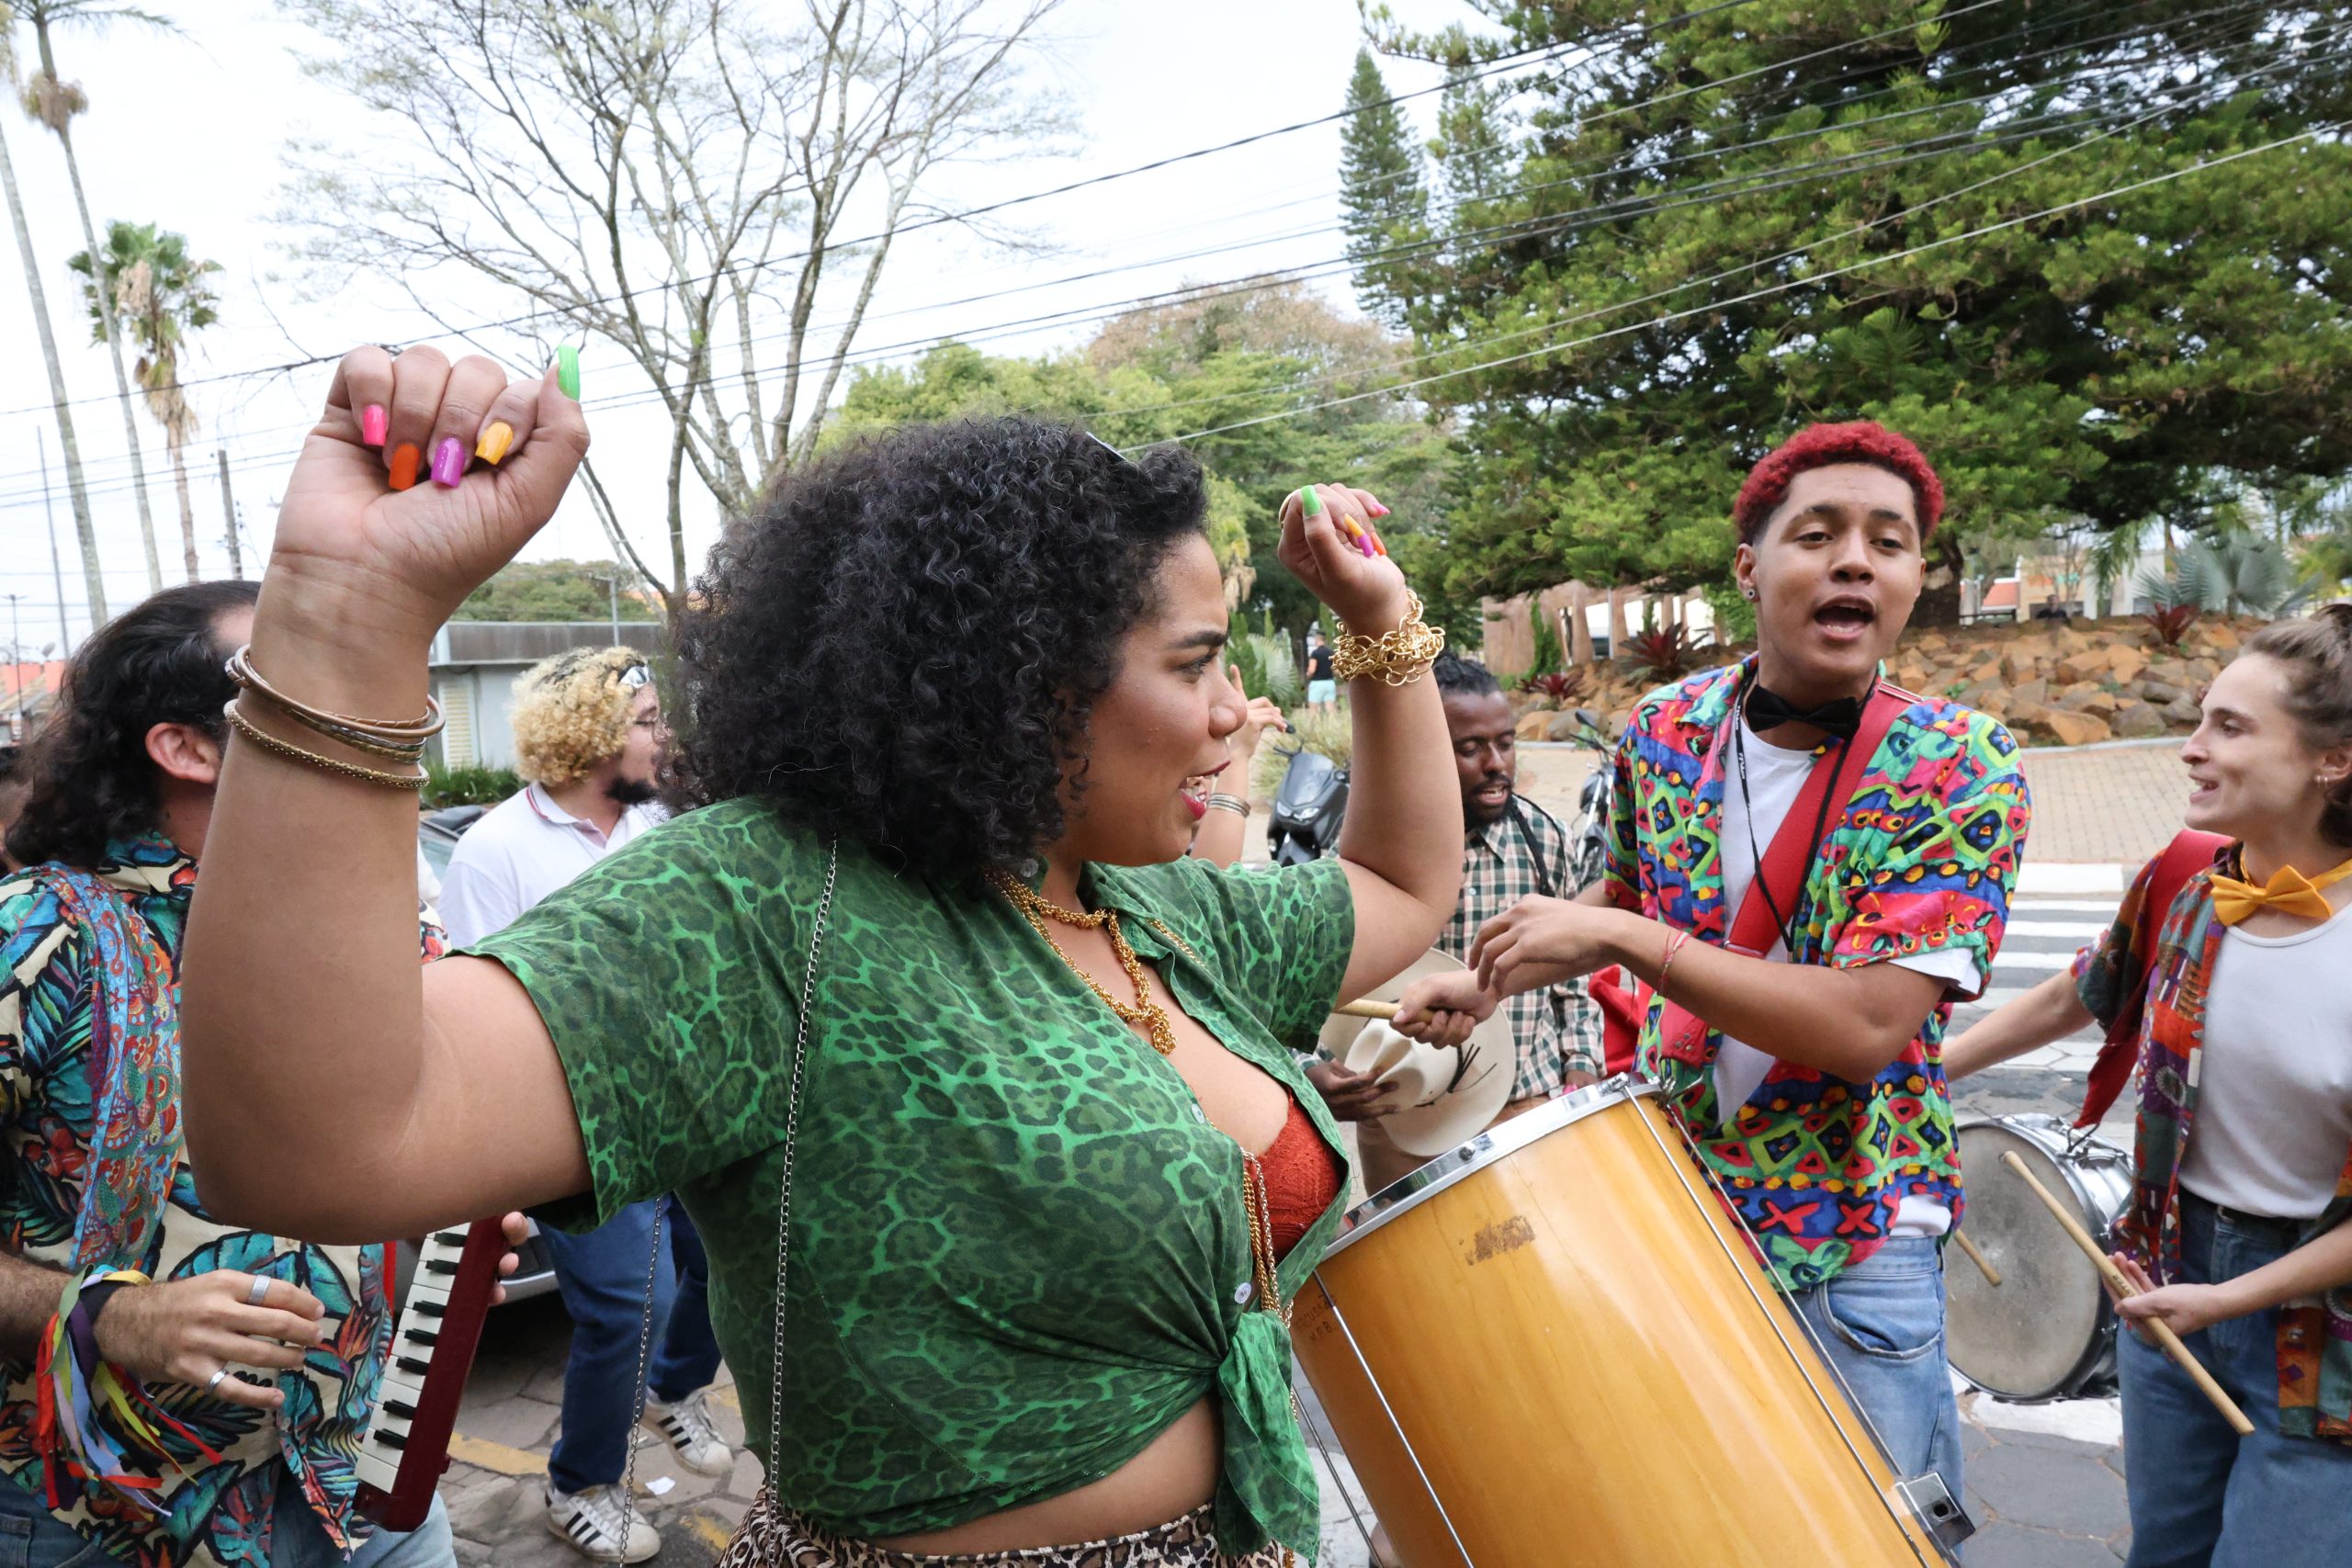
2044 932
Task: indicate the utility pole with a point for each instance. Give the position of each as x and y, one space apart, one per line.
229 511
56 567
15 666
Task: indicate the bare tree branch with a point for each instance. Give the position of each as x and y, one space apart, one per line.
675 177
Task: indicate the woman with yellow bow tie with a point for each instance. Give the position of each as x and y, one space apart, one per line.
2236 1236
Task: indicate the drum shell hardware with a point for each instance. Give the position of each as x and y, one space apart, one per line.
1556 1347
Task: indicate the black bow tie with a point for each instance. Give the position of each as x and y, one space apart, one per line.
1770 710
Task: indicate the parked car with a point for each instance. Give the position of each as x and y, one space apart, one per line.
438 833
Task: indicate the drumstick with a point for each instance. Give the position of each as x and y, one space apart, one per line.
1367 1008
2157 1327
1992 1275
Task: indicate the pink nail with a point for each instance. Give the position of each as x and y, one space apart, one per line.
448 462
1376 509
1363 543
374 424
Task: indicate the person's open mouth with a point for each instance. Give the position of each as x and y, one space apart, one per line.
1195 792
1496 794
2202 789
1848 618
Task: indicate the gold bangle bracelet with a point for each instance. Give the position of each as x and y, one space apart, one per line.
384 737
294 753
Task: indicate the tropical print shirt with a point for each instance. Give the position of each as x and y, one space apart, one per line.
54 984
1922 858
2315 1343
1521 855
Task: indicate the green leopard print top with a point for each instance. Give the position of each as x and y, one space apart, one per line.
1019 1251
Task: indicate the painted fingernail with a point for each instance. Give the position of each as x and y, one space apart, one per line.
566 371
1353 529
405 456
1375 509
1378 543
448 462
374 424
1363 543
1310 502
494 442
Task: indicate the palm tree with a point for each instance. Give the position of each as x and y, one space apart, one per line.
94 579
151 286
54 103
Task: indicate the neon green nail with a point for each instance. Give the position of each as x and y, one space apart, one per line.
1309 502
566 371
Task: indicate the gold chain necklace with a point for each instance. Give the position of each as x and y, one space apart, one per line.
1154 1018
1143 1011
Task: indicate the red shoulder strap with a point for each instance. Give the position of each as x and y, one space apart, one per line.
2188 853
1790 860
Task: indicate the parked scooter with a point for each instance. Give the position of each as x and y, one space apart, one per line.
1589 839
1309 808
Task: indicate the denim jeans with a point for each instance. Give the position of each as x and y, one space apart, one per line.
1882 1322
32 1536
2200 1494
602 1274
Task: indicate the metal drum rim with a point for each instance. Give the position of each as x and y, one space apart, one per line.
1417 1186
2041 1130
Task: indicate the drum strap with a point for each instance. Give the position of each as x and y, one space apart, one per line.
1788 864
2188 853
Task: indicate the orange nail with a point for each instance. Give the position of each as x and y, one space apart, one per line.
494 441
405 457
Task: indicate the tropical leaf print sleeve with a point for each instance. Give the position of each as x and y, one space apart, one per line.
2108 976
1943 884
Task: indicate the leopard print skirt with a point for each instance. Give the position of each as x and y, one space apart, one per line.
770 1536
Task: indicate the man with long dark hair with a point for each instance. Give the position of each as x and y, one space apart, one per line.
247 1363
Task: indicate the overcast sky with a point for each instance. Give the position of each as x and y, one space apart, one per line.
189 133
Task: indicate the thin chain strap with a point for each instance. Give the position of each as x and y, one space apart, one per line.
791 1132
644 1349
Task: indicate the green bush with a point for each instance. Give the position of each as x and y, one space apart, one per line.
1734 615
470 786
1549 660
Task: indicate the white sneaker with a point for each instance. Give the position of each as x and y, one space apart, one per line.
591 1522
692 1432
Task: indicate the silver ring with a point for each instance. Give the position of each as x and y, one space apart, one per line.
261 1289
212 1383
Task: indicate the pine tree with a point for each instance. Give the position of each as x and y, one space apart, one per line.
1383 193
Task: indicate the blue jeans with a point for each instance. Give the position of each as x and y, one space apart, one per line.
2200 1494
602 1275
1882 1322
32 1536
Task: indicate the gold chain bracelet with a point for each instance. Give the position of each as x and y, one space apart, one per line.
294 753
402 740
1397 658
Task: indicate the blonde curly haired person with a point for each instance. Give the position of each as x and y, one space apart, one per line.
574 712
588 737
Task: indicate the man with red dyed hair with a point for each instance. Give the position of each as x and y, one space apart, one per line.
1809 1075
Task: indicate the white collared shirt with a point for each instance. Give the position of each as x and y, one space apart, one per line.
519 851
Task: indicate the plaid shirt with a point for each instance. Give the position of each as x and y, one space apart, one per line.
2314 1337
1557 1029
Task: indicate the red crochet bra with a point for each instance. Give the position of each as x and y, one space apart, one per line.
1303 1175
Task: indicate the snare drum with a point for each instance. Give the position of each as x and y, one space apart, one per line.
1555 1347
2047 1330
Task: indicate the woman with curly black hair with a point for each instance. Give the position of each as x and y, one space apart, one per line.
976 1088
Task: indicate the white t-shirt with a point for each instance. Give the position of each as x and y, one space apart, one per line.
2274 1077
1776 776
519 851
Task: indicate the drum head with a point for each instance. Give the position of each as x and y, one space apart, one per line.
2032 1335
